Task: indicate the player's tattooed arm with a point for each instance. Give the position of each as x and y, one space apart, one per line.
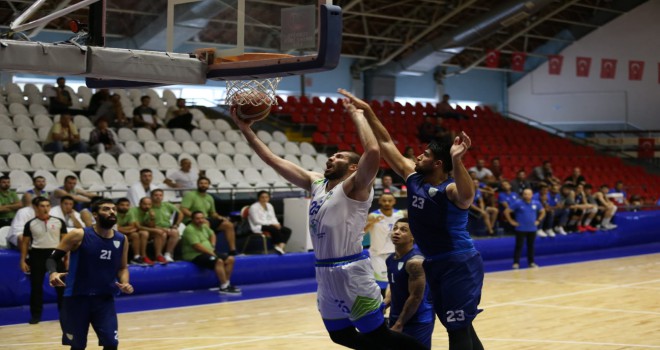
416 285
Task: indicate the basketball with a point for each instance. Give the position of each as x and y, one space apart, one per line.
250 111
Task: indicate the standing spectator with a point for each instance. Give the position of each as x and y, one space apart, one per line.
619 195
496 169
97 272
203 202
388 187
543 173
60 101
262 218
103 140
179 116
15 234
96 101
67 213
9 202
145 116
41 236
39 183
199 247
528 215
576 177
146 221
607 208
411 310
519 184
141 188
168 219
379 227
487 213
483 173
70 188
64 137
128 226
183 178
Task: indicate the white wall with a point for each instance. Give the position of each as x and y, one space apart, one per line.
565 99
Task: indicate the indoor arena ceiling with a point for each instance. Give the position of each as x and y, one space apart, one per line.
378 32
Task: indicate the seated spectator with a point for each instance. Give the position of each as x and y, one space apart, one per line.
67 213
145 116
483 174
60 99
445 110
496 169
185 177
142 188
165 211
262 218
576 177
430 131
64 137
549 203
543 173
96 101
203 202
586 209
410 153
15 234
561 213
606 207
519 184
9 202
528 215
506 195
112 110
387 186
102 140
635 203
619 195
146 221
487 213
179 116
86 212
567 220
79 195
39 183
198 246
128 226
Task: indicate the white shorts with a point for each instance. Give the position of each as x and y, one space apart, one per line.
347 291
380 267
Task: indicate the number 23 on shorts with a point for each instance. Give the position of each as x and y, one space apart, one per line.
455 316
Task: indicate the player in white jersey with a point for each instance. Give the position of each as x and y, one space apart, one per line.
379 227
349 299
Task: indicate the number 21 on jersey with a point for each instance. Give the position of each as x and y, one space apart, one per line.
106 254
418 202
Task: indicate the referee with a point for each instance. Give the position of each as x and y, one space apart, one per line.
41 235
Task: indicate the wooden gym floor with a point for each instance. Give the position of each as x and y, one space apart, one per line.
604 304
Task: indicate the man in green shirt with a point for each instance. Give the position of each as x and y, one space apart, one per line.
203 202
164 221
145 217
127 225
198 246
9 201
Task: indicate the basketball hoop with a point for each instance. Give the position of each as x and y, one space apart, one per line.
252 92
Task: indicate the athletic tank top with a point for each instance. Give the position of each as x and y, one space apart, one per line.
438 225
397 276
336 221
94 265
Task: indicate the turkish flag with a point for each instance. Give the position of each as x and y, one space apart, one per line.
518 61
635 70
493 59
608 68
646 148
554 64
582 66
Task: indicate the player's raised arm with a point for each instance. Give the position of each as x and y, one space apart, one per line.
462 193
292 172
400 164
369 163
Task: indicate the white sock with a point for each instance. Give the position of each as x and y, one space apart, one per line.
587 222
606 221
136 256
224 285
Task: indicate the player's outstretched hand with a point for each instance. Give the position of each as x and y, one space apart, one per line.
461 144
239 122
125 287
358 103
55 279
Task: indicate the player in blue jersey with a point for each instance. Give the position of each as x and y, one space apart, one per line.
411 310
438 213
98 268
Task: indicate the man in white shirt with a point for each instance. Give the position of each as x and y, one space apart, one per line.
262 219
15 234
483 173
141 188
184 178
66 212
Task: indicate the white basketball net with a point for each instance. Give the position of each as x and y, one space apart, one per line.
253 92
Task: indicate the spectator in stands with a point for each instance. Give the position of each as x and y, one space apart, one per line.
9 201
96 101
410 153
606 207
496 169
15 234
568 218
67 213
102 140
203 202
483 174
445 110
86 212
520 183
39 183
635 203
79 195
41 236
141 188
146 221
549 203
388 187
145 116
561 213
576 177
487 213
179 116
64 137
505 198
586 210
619 195
184 178
60 99
168 218
528 215
198 246
262 218
543 173
113 111
430 131
128 226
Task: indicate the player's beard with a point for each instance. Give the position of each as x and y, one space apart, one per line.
337 173
422 170
107 222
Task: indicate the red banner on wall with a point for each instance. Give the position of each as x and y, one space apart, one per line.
635 70
608 68
582 66
646 148
555 62
493 59
518 61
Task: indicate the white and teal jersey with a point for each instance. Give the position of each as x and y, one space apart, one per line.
336 222
380 232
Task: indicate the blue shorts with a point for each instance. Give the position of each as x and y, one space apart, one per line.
455 283
78 312
420 331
